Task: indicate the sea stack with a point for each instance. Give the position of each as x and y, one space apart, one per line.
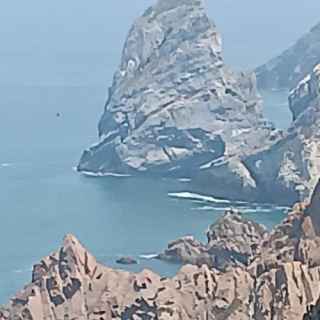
174 106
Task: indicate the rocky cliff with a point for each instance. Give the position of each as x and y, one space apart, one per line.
291 166
281 280
174 105
284 172
306 93
286 70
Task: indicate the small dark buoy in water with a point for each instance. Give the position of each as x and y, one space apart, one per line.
58 114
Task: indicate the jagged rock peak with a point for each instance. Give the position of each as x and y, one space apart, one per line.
167 5
173 105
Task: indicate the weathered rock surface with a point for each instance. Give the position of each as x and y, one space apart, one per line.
286 70
174 105
232 241
70 284
291 167
281 280
283 173
306 93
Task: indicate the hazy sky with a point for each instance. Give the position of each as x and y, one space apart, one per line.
253 30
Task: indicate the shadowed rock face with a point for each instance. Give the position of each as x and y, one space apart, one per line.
306 93
174 105
286 70
283 173
281 281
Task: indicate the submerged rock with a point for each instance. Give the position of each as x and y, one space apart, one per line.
288 69
126 260
174 106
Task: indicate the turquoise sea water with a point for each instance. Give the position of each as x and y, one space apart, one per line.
42 198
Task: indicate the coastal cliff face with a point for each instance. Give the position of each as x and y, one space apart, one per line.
286 70
291 166
283 173
306 93
174 106
281 280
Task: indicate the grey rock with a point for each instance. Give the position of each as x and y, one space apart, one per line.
286 70
174 106
305 93
126 260
284 172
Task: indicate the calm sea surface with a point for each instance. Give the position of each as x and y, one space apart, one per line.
42 198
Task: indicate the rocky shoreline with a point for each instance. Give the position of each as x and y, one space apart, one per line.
262 276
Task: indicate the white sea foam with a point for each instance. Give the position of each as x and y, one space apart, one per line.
206 208
104 174
196 196
148 256
6 165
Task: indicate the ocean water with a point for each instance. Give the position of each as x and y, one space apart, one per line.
61 61
42 198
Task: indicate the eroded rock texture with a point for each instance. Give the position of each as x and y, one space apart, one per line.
232 241
285 172
70 284
286 70
174 105
281 280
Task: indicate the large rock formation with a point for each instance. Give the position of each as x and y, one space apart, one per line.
286 70
290 168
283 173
174 106
70 284
281 281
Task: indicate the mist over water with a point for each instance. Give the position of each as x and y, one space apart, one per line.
60 57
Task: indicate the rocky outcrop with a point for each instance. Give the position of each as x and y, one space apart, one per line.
174 106
70 284
290 168
126 260
306 93
283 173
232 241
281 280
288 69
